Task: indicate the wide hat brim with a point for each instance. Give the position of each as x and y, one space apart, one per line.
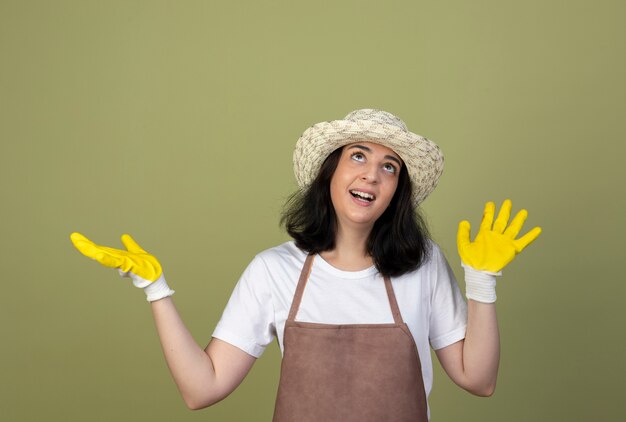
422 157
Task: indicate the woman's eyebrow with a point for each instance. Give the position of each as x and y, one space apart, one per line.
364 148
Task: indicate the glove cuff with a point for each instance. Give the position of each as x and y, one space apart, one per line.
154 290
157 290
480 285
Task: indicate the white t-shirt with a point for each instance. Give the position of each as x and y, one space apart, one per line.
429 300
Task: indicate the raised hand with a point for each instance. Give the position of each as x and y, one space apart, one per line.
495 244
134 259
134 262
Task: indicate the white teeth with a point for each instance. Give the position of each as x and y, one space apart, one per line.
363 195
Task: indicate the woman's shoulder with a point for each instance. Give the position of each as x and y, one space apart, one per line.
434 258
270 263
433 249
285 254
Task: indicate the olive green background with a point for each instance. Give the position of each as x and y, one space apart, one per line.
175 122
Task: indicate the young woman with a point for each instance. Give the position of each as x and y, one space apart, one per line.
359 296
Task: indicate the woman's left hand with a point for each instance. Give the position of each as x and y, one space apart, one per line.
495 244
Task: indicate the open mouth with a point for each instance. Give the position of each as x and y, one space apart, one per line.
364 196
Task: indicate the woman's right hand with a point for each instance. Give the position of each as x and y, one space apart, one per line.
134 262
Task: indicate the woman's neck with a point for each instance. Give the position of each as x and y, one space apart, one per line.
350 252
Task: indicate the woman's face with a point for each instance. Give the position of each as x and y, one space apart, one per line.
364 183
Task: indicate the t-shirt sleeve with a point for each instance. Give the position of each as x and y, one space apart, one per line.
448 317
248 319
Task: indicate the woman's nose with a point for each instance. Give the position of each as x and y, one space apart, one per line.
370 174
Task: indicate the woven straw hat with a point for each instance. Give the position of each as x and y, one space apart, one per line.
422 157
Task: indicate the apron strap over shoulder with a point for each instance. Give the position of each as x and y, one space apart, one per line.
395 310
297 298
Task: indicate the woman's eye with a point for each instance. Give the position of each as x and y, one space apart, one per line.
389 168
358 156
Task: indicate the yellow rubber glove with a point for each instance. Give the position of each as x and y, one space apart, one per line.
134 262
495 244
494 247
